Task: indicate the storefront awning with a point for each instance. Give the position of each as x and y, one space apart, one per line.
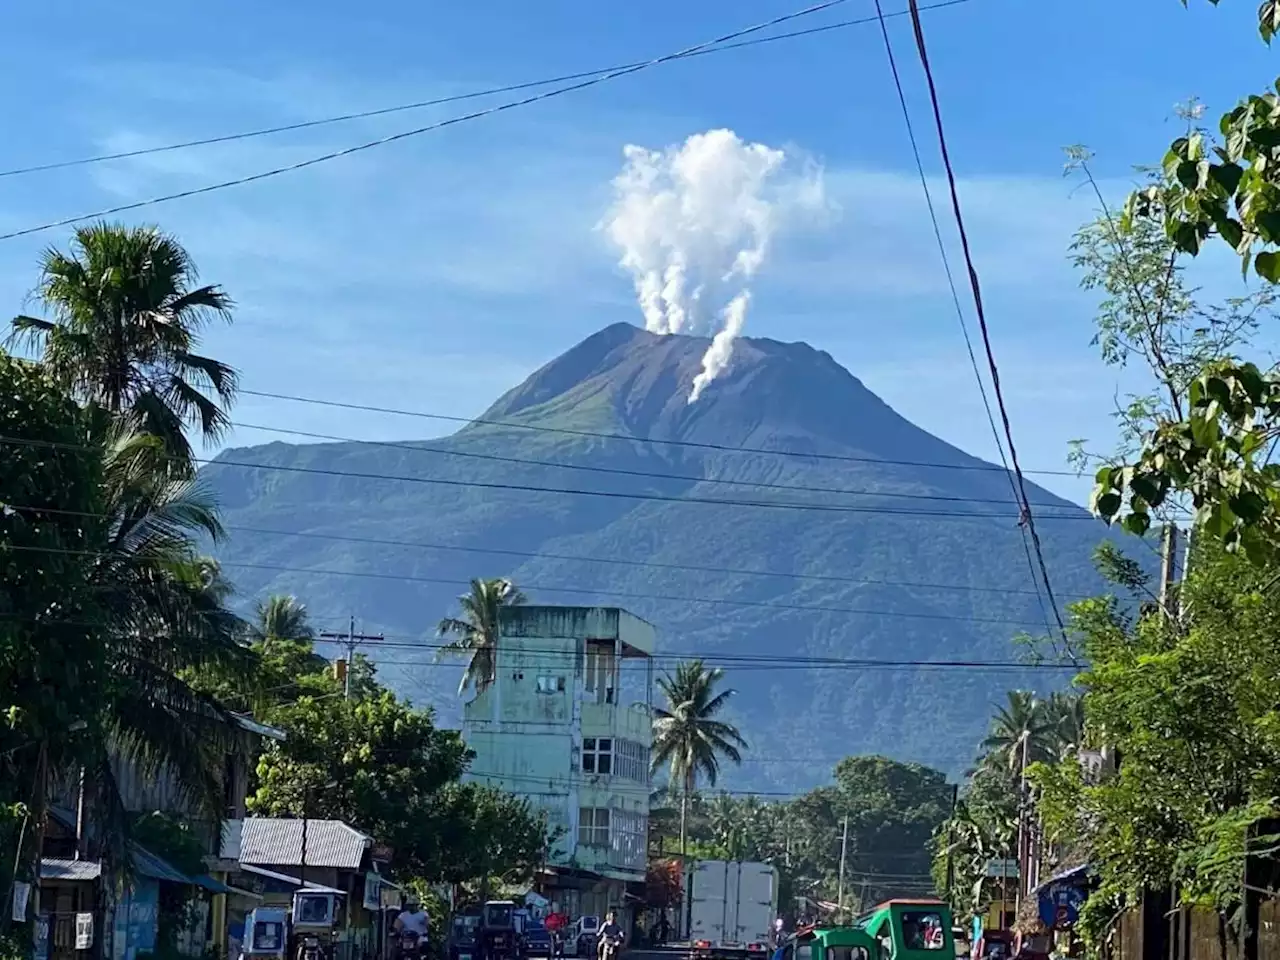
207 882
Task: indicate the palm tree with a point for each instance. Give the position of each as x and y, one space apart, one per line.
281 618
1065 712
1021 731
126 313
688 738
163 621
475 632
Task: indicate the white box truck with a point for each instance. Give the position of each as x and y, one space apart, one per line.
731 908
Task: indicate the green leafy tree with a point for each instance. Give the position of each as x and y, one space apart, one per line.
475 631
384 767
1187 705
52 664
688 739
1211 450
125 313
136 608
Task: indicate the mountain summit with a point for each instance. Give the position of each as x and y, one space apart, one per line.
847 542
784 395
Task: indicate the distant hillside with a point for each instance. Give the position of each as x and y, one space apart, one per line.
922 562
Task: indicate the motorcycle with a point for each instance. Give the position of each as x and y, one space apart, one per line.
310 949
410 946
610 946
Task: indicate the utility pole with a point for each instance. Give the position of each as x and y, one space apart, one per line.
349 640
1168 562
1023 811
951 840
844 849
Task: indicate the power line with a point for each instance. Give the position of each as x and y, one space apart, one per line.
976 288
476 115
440 101
955 294
416 446
737 661
551 588
692 444
730 571
569 491
574 558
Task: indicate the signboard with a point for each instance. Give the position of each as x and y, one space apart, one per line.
372 891
84 931
1060 904
21 893
41 951
998 869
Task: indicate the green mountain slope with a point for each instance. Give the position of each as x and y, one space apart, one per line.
898 577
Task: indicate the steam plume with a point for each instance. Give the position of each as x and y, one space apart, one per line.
694 224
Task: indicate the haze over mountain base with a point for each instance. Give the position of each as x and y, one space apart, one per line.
899 577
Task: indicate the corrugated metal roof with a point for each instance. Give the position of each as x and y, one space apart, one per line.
330 843
55 869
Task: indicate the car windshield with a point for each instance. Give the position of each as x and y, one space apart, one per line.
498 915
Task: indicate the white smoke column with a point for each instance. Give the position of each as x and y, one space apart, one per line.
717 356
694 223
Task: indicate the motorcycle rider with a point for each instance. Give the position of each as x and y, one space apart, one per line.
610 939
556 923
413 919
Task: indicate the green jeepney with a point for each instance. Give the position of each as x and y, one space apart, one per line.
910 930
828 943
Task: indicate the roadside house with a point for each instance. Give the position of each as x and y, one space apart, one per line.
274 858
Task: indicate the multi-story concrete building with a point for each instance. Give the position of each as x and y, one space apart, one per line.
567 722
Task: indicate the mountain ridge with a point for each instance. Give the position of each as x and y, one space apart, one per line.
962 550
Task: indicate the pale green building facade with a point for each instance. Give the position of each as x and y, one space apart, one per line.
567 722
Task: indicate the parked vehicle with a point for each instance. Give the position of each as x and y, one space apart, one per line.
464 936
911 929
537 939
266 934
586 933
828 943
499 938
732 904
314 917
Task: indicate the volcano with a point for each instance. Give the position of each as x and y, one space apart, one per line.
788 526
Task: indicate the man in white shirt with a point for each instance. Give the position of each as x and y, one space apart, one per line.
413 919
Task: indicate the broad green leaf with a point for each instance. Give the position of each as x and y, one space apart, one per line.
1107 505
1267 264
1231 232
1137 523
1248 506
1227 176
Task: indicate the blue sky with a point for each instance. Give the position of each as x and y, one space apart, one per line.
436 272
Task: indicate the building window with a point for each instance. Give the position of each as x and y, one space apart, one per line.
593 827
632 762
597 755
551 684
